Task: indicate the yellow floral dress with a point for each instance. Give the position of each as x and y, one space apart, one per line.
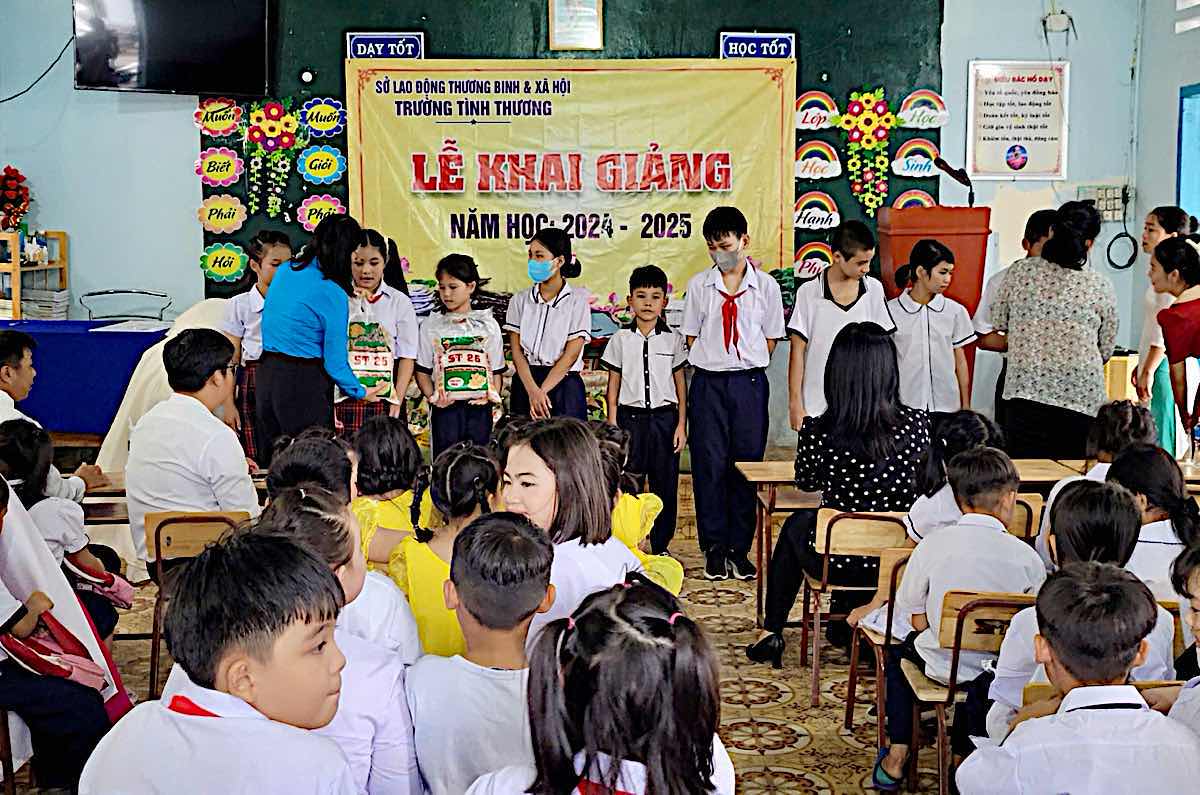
632 520
394 514
420 574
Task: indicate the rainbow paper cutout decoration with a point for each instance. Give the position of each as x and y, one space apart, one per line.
224 262
816 210
817 160
221 214
316 208
811 259
218 116
914 198
219 166
321 165
914 158
814 109
923 109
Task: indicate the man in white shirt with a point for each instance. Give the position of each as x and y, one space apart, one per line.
16 381
1098 735
181 456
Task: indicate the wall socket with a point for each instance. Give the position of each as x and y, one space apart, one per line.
1107 198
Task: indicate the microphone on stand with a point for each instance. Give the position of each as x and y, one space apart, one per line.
959 175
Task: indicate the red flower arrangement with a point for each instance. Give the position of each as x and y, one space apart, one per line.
14 198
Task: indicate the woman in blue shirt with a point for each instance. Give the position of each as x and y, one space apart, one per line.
304 334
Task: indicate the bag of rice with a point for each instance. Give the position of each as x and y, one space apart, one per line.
462 368
369 347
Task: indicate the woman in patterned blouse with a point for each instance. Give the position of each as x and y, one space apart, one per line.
1060 318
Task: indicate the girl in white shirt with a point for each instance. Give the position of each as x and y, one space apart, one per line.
554 476
623 697
372 724
932 332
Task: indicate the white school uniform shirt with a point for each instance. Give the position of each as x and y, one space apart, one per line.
394 311
1103 739
155 750
759 318
69 487
547 327
580 570
380 614
927 335
469 720
631 780
1099 472
182 458
980 320
817 319
60 523
372 724
1186 709
977 554
932 513
1016 666
1156 549
647 364
1153 302
243 318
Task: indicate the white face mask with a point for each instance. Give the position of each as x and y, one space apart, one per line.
725 260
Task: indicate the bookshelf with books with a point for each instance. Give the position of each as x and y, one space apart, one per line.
46 297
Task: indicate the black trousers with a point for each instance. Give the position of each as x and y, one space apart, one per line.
65 721
1039 430
1001 410
727 414
793 555
568 399
291 394
459 422
654 462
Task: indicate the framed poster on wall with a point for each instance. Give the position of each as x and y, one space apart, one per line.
1017 114
576 24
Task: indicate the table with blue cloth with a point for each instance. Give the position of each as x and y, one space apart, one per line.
81 374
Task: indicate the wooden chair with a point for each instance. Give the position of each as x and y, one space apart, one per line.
860 534
891 568
771 502
1177 644
178 535
6 757
1027 517
1040 691
970 621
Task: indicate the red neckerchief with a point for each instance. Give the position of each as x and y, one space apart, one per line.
375 298
185 706
729 314
586 787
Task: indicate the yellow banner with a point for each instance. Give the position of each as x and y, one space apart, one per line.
626 156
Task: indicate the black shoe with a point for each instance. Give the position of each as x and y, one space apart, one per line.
740 568
716 567
769 649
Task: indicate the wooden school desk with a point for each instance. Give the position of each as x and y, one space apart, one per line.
115 487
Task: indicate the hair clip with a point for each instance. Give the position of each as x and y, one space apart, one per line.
570 623
674 616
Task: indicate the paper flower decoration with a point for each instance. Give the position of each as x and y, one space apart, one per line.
272 134
14 198
218 117
324 117
316 208
224 262
222 214
321 165
219 166
866 126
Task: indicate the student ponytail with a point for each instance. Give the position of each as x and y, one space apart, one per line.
951 435
1117 425
263 239
1175 220
420 486
1077 224
26 454
388 456
315 518
1150 471
926 255
463 480
393 268
1182 254
558 243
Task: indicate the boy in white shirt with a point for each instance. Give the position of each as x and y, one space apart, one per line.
732 318
250 625
646 395
1098 734
181 456
977 554
469 711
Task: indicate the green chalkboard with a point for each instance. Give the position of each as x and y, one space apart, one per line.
842 46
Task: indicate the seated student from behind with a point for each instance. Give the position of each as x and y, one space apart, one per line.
181 456
469 710
251 626
1101 737
977 554
389 463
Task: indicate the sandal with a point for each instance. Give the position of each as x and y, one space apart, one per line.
880 778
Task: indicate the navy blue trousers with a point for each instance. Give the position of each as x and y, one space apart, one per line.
655 464
728 420
459 422
566 400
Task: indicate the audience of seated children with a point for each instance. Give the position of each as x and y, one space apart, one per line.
250 626
372 725
1183 703
16 381
1098 734
977 554
1117 425
389 465
1091 521
464 482
633 519
732 319
862 453
181 456
554 477
25 455
380 614
66 719
468 710
646 396
1170 516
623 697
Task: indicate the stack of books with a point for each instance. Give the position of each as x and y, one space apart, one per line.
38 304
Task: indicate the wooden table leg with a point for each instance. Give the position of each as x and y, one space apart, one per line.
761 522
